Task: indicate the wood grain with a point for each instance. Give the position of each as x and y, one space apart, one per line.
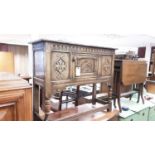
15 100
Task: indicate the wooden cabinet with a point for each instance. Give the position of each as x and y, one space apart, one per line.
17 61
15 99
152 64
6 62
59 64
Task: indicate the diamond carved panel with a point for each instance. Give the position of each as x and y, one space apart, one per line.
60 66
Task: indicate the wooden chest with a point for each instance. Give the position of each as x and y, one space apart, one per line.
60 64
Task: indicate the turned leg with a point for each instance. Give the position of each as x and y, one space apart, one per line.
77 96
47 108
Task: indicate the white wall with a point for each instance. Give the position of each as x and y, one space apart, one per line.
30 59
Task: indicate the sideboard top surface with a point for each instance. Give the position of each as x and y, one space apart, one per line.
69 43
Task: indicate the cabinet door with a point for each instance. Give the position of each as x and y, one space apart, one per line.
8 112
16 105
86 64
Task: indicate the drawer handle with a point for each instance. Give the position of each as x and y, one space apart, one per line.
143 114
131 119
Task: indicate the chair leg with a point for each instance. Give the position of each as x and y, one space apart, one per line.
119 104
130 97
115 103
141 92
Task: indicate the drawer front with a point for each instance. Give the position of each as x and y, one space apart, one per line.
151 114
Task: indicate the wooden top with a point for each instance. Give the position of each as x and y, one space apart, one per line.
132 71
68 43
9 81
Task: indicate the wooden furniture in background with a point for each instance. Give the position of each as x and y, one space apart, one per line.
20 56
60 64
129 78
150 86
141 52
6 62
15 98
150 83
152 66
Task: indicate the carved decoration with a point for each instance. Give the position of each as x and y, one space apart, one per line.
106 65
60 66
87 65
78 48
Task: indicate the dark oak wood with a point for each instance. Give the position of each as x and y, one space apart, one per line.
56 66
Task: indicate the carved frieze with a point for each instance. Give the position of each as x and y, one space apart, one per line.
79 49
